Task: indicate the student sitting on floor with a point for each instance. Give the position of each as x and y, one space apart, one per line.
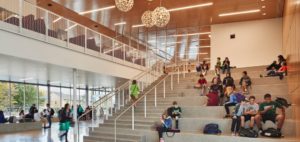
176 113
250 110
166 123
267 111
201 84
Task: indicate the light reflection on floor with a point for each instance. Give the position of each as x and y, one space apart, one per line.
47 135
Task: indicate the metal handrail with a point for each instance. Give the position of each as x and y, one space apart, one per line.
131 106
112 94
115 91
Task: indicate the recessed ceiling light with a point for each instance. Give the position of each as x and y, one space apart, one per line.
239 12
121 23
262 0
136 26
96 10
264 14
190 7
263 6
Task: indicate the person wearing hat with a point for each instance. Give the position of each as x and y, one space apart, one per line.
250 110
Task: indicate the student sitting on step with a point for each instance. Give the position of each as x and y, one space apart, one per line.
231 102
218 66
175 113
201 84
267 111
245 82
236 118
215 95
250 110
166 124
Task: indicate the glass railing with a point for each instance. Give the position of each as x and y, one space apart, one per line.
30 20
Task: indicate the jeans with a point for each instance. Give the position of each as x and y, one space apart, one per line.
227 105
49 121
226 68
160 131
236 124
64 135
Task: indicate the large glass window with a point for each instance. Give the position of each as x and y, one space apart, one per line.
55 98
43 96
66 96
5 98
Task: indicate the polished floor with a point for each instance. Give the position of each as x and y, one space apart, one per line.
47 135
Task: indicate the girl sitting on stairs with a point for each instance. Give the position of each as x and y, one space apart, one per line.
166 123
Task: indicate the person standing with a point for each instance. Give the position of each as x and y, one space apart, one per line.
65 122
49 114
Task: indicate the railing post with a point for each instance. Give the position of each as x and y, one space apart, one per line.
171 81
164 89
155 93
132 117
20 15
85 39
115 130
145 107
178 76
123 98
142 86
47 25
68 35
119 101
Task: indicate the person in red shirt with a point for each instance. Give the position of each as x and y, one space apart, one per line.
282 71
202 83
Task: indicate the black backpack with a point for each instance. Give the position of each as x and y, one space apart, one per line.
212 128
52 112
282 102
248 133
271 132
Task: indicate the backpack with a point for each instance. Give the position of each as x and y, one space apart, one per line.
271 132
12 119
239 97
282 102
52 112
248 133
212 128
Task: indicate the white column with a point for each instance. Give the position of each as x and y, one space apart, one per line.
145 107
76 127
164 88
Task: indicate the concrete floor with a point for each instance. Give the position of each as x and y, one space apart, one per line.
47 135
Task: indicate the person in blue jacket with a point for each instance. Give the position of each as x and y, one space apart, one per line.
232 102
166 123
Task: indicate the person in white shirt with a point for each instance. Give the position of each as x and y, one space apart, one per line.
250 110
36 116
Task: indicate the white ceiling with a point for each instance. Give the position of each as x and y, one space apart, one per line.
17 69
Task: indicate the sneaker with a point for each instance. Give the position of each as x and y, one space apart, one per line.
232 134
227 116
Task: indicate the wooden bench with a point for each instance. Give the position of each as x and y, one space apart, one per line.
20 127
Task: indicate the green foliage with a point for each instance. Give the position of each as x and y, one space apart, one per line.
17 95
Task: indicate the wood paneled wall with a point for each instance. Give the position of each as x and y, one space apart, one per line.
291 49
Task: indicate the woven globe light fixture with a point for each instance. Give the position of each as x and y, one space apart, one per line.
148 19
124 5
161 16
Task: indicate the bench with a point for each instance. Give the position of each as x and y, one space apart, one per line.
20 127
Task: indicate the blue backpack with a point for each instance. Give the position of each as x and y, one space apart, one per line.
212 128
239 97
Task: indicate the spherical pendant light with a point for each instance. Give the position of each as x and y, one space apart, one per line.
147 19
161 16
124 5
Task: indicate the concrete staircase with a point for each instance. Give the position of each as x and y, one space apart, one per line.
195 114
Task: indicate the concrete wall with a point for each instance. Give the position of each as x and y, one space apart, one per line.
256 42
291 42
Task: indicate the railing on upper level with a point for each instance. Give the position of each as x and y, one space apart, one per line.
27 19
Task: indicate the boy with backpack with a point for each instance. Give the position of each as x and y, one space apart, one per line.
267 111
251 109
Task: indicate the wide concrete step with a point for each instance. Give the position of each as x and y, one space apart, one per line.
106 139
198 124
132 136
199 137
129 126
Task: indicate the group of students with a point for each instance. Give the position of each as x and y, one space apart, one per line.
166 120
250 110
277 68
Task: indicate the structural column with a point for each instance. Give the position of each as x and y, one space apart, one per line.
76 136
